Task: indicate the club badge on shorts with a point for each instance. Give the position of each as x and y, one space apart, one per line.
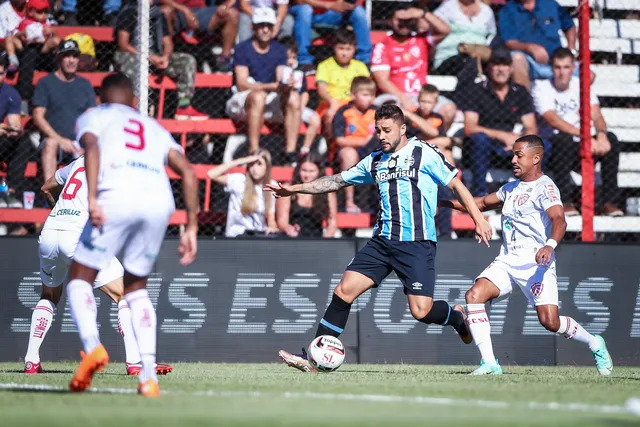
536 289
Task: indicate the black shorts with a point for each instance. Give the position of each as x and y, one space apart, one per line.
413 262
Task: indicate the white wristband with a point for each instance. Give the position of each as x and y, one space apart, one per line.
551 243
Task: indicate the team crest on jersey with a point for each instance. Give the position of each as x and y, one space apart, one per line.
536 289
522 199
393 162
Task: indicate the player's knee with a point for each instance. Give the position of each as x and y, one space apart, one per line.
473 296
51 294
550 323
419 311
344 294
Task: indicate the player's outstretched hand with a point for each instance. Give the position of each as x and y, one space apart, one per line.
483 232
279 190
544 254
96 215
188 246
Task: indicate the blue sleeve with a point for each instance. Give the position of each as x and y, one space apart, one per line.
91 95
506 25
360 173
16 102
40 98
566 23
435 165
240 56
283 58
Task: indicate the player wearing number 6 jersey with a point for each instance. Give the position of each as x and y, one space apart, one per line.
532 225
130 203
56 246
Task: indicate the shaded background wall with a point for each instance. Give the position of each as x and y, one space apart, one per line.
242 300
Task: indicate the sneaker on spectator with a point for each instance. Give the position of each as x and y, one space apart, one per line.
224 64
189 113
3 203
13 203
570 210
189 37
3 230
609 209
12 69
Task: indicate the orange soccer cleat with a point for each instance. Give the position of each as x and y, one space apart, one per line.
149 388
92 362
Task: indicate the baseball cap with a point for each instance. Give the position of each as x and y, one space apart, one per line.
68 46
500 56
38 4
264 15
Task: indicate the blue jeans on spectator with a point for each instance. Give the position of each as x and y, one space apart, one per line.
482 149
540 71
109 6
305 18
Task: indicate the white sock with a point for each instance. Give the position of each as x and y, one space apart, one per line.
480 329
570 329
132 355
143 319
84 313
41 320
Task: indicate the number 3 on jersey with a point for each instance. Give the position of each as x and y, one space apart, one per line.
73 185
138 132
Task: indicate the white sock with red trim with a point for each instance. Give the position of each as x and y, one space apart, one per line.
132 354
570 329
41 320
143 319
84 313
480 329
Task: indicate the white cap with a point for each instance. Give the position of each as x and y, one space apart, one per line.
264 15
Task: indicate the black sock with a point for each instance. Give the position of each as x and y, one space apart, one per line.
335 318
442 314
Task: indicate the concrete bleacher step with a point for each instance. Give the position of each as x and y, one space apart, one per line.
616 73
605 4
622 117
613 28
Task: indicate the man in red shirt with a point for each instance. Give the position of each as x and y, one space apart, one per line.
400 61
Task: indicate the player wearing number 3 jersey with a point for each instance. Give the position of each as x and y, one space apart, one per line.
130 202
532 225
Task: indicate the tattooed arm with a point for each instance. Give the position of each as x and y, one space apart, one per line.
325 184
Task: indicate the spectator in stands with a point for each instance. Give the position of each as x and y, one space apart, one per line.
33 30
427 125
557 101
308 116
399 61
530 29
332 13
262 95
209 18
354 131
335 74
302 215
110 10
59 99
251 210
471 22
12 12
284 21
496 113
14 150
180 66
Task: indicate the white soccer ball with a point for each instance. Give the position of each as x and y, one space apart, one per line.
326 353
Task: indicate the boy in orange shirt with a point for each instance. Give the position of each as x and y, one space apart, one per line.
354 131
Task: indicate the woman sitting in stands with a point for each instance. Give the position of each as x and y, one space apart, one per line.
302 215
251 211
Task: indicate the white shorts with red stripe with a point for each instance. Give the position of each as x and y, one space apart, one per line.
538 282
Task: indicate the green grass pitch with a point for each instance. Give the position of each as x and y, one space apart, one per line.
199 394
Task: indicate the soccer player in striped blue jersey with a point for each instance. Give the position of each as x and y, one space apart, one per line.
407 174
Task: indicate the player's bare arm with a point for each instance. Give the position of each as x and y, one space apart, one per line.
325 184
558 228
188 241
92 165
51 190
484 203
483 230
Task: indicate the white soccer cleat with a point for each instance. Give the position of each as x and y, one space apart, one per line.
601 356
298 361
488 369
